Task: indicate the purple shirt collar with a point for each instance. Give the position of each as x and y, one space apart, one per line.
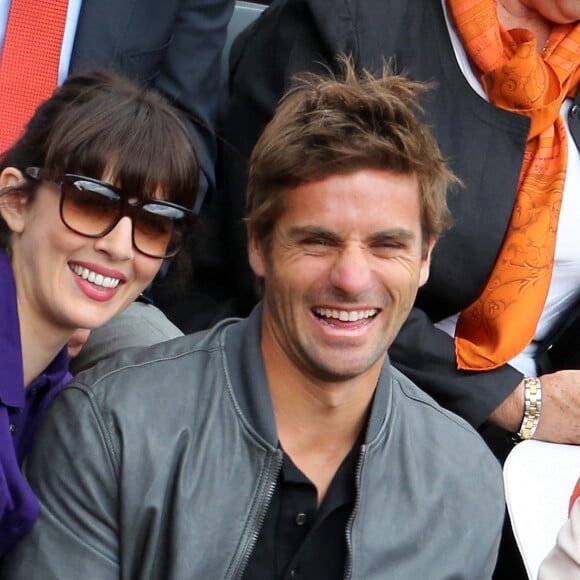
11 373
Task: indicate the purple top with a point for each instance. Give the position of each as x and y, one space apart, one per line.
20 413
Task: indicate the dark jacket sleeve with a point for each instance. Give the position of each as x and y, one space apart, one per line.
427 356
190 73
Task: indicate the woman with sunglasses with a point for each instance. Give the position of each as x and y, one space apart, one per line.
93 197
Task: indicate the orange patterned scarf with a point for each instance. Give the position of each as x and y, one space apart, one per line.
502 321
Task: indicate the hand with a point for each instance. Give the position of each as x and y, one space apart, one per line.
77 341
560 417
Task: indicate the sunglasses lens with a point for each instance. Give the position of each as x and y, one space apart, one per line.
87 207
158 229
92 208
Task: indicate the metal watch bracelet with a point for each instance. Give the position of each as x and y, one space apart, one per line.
532 407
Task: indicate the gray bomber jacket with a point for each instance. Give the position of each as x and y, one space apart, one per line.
161 465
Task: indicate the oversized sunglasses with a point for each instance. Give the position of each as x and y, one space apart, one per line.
92 208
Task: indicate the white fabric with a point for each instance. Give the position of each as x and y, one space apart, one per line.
539 479
564 560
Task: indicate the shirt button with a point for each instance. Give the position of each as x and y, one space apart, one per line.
300 519
293 574
13 428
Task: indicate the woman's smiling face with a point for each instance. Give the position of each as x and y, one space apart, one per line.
64 279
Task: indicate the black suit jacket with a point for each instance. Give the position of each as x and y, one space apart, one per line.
484 146
173 45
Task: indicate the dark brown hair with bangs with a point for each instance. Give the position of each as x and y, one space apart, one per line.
102 125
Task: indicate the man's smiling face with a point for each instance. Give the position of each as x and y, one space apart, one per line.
341 272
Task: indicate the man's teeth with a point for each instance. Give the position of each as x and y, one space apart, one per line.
94 278
345 315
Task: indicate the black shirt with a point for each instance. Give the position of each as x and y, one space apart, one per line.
299 541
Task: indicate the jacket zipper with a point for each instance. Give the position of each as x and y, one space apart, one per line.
350 523
262 510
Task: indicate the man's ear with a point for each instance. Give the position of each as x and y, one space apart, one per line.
426 262
12 201
256 255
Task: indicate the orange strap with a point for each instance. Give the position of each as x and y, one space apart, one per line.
29 65
503 320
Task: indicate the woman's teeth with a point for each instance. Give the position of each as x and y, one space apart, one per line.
94 278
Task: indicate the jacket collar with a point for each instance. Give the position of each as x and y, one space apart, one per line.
247 377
